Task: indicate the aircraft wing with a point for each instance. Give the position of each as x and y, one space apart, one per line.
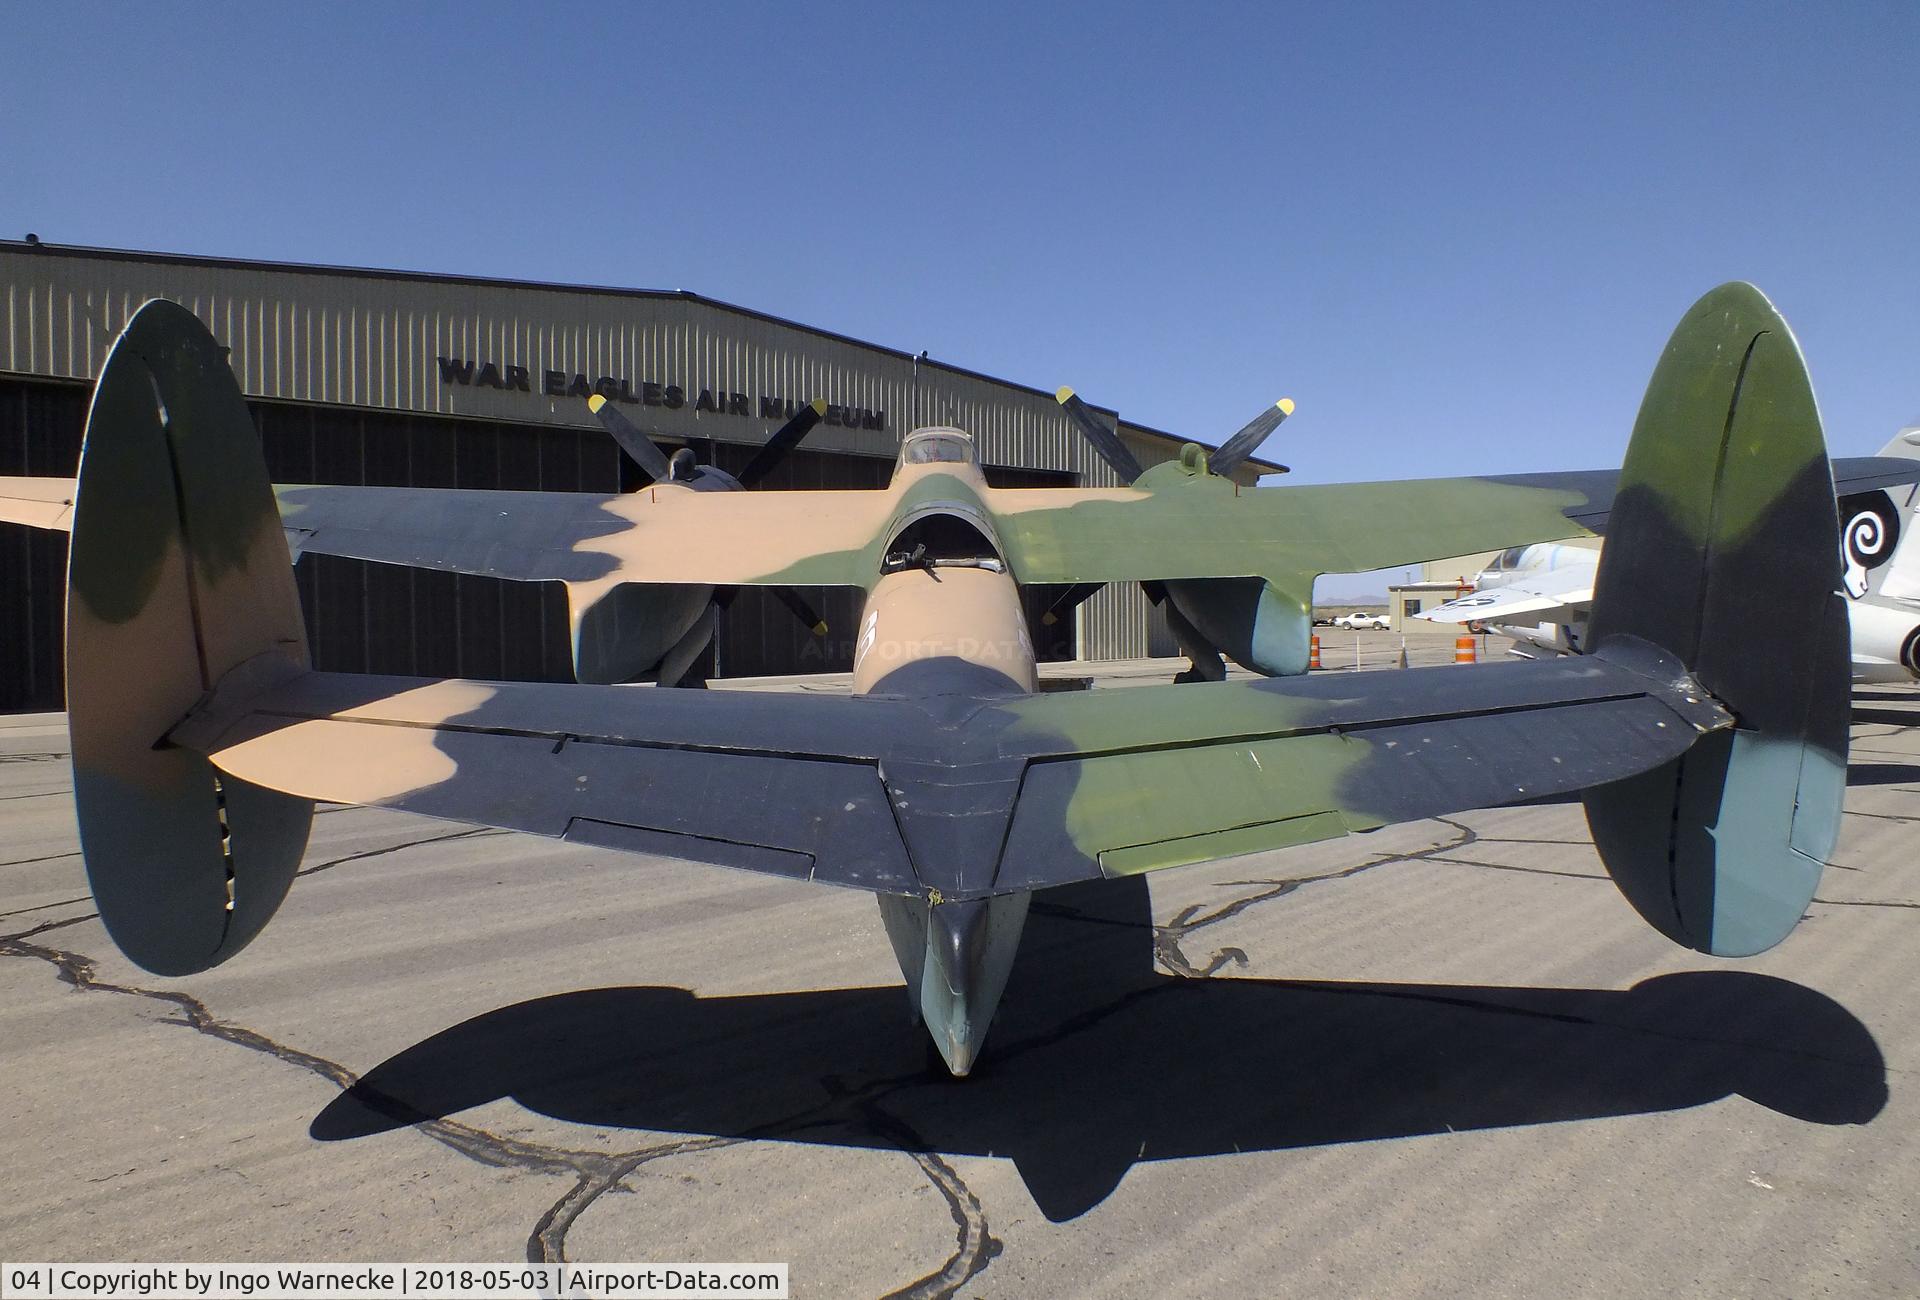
951 796
664 534
661 534
1851 474
1173 524
1535 597
1191 525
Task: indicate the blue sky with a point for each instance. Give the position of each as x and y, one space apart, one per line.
1457 234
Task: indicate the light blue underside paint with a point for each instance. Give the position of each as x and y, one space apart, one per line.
955 989
1281 631
1779 816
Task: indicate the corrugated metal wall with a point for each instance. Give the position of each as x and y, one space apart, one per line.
373 340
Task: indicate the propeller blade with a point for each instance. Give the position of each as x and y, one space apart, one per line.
1244 443
1069 600
801 610
651 460
784 440
1105 441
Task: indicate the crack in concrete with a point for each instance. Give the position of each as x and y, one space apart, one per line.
1861 902
975 1246
41 907
1529 871
45 926
472 832
594 1173
49 857
1168 953
547 1243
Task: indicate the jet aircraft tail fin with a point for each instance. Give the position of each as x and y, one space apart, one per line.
177 575
1723 551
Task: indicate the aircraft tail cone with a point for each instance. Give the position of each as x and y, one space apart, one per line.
956 958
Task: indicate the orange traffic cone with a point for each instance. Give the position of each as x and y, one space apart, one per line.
1463 652
1313 653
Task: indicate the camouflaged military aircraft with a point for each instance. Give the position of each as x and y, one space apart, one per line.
945 784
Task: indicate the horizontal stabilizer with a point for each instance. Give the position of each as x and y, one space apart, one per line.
37 502
904 796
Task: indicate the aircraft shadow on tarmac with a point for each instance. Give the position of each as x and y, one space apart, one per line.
1885 717
1882 773
1097 1061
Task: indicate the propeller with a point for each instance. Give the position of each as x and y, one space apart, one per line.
784 440
1244 443
1228 458
787 596
1105 441
651 460
656 465
1208 664
682 467
1067 601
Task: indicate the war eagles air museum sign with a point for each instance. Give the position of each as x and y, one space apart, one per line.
648 392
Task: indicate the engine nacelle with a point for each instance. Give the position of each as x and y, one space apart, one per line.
1253 623
622 633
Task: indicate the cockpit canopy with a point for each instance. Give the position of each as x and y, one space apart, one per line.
937 446
1508 559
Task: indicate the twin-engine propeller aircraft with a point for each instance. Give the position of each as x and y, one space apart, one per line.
945 785
1542 595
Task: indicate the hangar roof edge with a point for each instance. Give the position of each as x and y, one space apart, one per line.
41 247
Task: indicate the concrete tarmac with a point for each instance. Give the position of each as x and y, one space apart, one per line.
1443 1059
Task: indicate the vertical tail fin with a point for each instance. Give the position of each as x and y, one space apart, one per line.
177 574
1723 550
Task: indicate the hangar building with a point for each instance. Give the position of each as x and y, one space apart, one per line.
398 378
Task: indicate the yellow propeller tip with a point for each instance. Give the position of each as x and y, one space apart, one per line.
820 629
819 405
1062 396
1286 405
595 402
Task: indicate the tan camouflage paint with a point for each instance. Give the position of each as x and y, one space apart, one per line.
969 615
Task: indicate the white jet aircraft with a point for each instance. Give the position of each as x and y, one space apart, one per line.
1540 595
